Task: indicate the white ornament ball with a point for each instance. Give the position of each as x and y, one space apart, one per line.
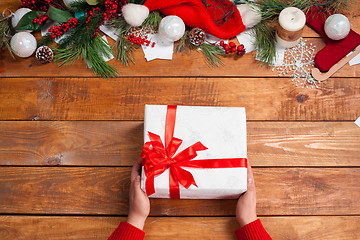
337 26
23 44
18 15
172 28
68 2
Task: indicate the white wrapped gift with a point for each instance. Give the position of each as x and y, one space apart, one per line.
222 130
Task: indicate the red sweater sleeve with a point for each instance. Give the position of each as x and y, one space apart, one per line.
126 231
252 231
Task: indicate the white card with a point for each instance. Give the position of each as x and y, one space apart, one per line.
247 39
161 50
357 122
109 30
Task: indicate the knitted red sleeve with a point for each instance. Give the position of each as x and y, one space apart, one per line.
126 231
252 231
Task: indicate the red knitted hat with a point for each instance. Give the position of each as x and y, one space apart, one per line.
195 13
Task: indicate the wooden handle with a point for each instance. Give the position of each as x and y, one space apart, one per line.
315 72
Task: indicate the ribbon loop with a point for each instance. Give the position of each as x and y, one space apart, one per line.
158 158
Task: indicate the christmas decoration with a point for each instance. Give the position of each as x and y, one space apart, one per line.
232 48
197 13
334 50
44 54
291 23
323 76
18 15
298 62
264 32
23 44
92 2
197 36
68 3
337 26
5 32
171 28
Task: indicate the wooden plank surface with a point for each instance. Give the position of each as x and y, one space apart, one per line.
119 143
89 228
104 190
124 99
190 65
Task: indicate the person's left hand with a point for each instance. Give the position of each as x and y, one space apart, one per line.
139 204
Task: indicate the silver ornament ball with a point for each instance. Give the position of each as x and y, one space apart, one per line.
337 26
23 44
172 28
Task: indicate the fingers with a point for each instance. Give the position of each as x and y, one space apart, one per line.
135 171
250 177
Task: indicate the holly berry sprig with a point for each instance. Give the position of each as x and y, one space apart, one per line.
140 40
231 48
41 18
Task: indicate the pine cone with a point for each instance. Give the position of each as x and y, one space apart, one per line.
44 54
197 36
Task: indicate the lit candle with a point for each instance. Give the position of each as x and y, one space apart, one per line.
291 23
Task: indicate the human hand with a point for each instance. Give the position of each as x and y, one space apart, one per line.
246 205
139 204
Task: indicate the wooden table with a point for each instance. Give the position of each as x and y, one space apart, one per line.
68 140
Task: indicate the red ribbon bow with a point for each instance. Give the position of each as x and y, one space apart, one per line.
158 158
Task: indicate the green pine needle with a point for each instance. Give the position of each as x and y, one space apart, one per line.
5 31
270 11
153 19
212 54
91 53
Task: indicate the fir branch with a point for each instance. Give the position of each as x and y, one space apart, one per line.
265 43
212 54
5 31
91 52
47 40
80 5
153 19
123 48
184 43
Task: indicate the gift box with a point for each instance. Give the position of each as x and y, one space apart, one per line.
194 152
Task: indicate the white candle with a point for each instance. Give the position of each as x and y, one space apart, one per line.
291 23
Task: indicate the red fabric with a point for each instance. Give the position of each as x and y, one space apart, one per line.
126 231
334 50
252 231
195 14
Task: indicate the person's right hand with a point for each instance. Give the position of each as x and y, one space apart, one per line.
139 204
246 205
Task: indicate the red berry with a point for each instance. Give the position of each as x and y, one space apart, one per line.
240 47
233 49
227 51
232 44
226 47
221 43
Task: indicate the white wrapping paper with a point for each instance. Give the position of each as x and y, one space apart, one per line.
222 130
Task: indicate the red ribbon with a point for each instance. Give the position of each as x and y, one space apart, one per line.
158 158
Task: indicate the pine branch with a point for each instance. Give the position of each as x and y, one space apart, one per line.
265 43
5 31
80 5
212 54
91 52
153 20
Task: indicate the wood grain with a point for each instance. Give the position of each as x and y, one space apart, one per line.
124 99
189 65
119 143
164 228
104 190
